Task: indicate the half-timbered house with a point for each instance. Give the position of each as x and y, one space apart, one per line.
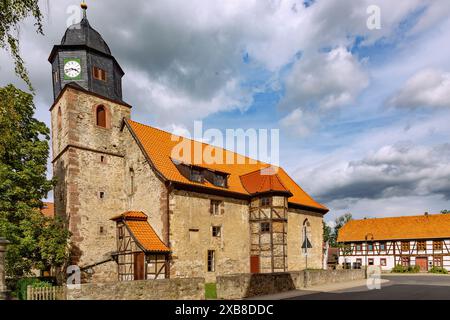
422 241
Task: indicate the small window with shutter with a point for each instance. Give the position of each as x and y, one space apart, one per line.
99 74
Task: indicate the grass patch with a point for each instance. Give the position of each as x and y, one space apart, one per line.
210 291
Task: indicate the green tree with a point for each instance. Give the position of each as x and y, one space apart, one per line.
445 211
331 234
12 12
327 233
36 241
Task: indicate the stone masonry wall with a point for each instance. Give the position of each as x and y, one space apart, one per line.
164 289
149 192
89 191
191 236
249 285
296 259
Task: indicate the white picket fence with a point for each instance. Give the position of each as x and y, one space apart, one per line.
50 293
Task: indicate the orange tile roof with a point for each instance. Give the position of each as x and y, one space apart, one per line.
48 210
131 215
142 231
159 144
397 228
261 182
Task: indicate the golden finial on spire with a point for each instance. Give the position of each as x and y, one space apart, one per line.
84 5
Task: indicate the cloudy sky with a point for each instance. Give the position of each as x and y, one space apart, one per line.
364 114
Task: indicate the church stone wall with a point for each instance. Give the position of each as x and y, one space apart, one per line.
191 235
89 192
149 193
296 259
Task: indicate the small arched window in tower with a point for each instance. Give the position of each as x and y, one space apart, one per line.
131 181
306 237
59 119
101 116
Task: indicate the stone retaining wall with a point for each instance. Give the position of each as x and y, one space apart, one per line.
164 289
249 285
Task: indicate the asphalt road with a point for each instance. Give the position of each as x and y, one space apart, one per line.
416 287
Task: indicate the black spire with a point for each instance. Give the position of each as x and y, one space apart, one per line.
83 34
84 58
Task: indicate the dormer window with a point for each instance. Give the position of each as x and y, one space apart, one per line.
99 74
196 175
220 180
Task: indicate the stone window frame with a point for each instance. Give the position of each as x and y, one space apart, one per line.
107 115
216 207
59 118
211 261
132 181
216 231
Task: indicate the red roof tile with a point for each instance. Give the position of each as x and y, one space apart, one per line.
142 231
397 228
159 145
48 210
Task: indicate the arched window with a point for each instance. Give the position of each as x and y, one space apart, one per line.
101 116
306 237
59 119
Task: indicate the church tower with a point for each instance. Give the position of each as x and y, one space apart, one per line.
88 146
85 58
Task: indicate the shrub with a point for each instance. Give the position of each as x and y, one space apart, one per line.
399 269
413 269
22 285
438 270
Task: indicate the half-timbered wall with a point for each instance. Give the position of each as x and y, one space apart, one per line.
133 263
406 252
270 244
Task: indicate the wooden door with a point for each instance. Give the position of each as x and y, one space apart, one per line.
422 263
139 266
254 264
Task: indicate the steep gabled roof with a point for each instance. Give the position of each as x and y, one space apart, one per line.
158 145
142 231
397 228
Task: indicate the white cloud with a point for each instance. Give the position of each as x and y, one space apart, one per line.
299 122
427 88
326 80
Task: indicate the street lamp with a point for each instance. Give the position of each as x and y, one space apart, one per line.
368 236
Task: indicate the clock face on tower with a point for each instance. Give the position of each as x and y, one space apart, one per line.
72 69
